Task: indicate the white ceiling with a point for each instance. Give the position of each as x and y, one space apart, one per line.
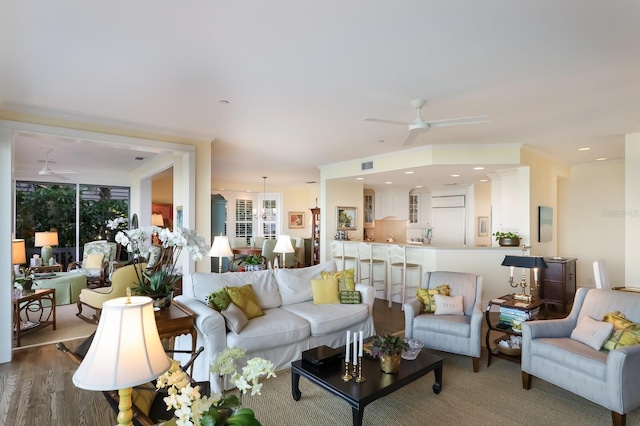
300 77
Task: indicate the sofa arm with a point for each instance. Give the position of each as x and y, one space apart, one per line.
212 335
368 295
623 378
411 310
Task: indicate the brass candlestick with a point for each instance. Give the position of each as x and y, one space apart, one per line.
360 379
346 376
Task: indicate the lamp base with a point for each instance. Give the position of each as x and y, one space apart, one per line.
522 296
45 254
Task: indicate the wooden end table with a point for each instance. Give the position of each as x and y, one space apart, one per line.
377 384
36 314
177 320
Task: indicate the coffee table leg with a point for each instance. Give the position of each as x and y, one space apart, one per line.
437 386
295 386
358 413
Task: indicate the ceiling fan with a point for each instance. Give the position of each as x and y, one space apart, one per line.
419 125
46 171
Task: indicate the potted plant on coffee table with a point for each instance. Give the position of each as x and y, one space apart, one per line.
389 349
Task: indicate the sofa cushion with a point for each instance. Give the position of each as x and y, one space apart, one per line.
326 319
275 329
325 291
295 284
219 299
591 332
571 354
427 297
245 299
448 305
625 332
345 279
263 284
455 325
234 317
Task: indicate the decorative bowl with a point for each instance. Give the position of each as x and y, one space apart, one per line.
414 349
507 350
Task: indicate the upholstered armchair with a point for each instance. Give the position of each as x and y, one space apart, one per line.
96 257
608 378
458 333
126 276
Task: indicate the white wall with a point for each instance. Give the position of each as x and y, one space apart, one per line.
345 194
632 208
6 225
591 219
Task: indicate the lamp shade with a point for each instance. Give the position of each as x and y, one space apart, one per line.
47 238
18 252
157 219
126 350
220 247
524 262
283 245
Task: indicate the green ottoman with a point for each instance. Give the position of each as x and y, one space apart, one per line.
67 285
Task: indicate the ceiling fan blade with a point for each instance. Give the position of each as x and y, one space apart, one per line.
56 175
64 172
459 121
410 138
380 120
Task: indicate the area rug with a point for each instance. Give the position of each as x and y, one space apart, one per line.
68 327
493 396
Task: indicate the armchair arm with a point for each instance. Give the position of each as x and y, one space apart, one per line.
368 295
74 265
623 378
411 310
477 316
212 335
549 328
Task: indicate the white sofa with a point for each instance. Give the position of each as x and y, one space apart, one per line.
291 322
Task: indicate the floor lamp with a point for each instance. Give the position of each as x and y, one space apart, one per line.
126 351
220 249
283 245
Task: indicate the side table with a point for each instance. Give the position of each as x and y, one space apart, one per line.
177 320
525 310
37 314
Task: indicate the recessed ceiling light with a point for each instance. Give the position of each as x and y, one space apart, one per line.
409 172
388 183
478 168
139 158
484 180
601 158
380 140
220 189
584 149
455 175
359 178
224 101
311 181
249 190
418 186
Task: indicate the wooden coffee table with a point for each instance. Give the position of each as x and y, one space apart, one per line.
377 384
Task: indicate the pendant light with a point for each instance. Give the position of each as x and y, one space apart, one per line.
263 214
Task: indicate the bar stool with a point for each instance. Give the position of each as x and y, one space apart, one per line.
338 254
398 260
367 261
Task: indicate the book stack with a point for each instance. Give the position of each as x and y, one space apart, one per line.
512 316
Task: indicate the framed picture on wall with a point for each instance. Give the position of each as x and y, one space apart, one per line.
179 219
296 220
545 224
483 226
346 218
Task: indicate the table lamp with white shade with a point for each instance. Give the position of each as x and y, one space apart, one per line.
220 248
126 351
46 240
283 245
157 219
18 255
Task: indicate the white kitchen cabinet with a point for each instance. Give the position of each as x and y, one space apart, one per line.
421 217
388 203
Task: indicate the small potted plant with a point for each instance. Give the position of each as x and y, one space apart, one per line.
389 349
507 239
158 285
254 263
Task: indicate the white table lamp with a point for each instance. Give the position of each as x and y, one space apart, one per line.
126 351
283 245
220 249
46 240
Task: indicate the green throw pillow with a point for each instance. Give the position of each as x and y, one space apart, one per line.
350 297
219 299
625 332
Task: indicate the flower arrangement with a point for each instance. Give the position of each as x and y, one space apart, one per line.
193 409
386 344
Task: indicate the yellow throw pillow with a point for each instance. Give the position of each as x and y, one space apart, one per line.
345 279
94 261
427 297
245 299
142 396
325 291
625 332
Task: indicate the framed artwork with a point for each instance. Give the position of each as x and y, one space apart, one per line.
483 226
179 219
296 220
346 218
545 224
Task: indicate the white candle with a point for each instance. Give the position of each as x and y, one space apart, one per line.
355 349
535 274
348 344
360 349
512 272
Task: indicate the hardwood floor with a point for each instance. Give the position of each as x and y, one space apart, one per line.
36 386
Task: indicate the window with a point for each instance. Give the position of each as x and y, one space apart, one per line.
244 219
270 223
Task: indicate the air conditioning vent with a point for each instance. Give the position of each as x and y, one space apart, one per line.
367 165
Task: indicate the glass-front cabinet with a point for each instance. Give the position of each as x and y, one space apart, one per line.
315 236
368 208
